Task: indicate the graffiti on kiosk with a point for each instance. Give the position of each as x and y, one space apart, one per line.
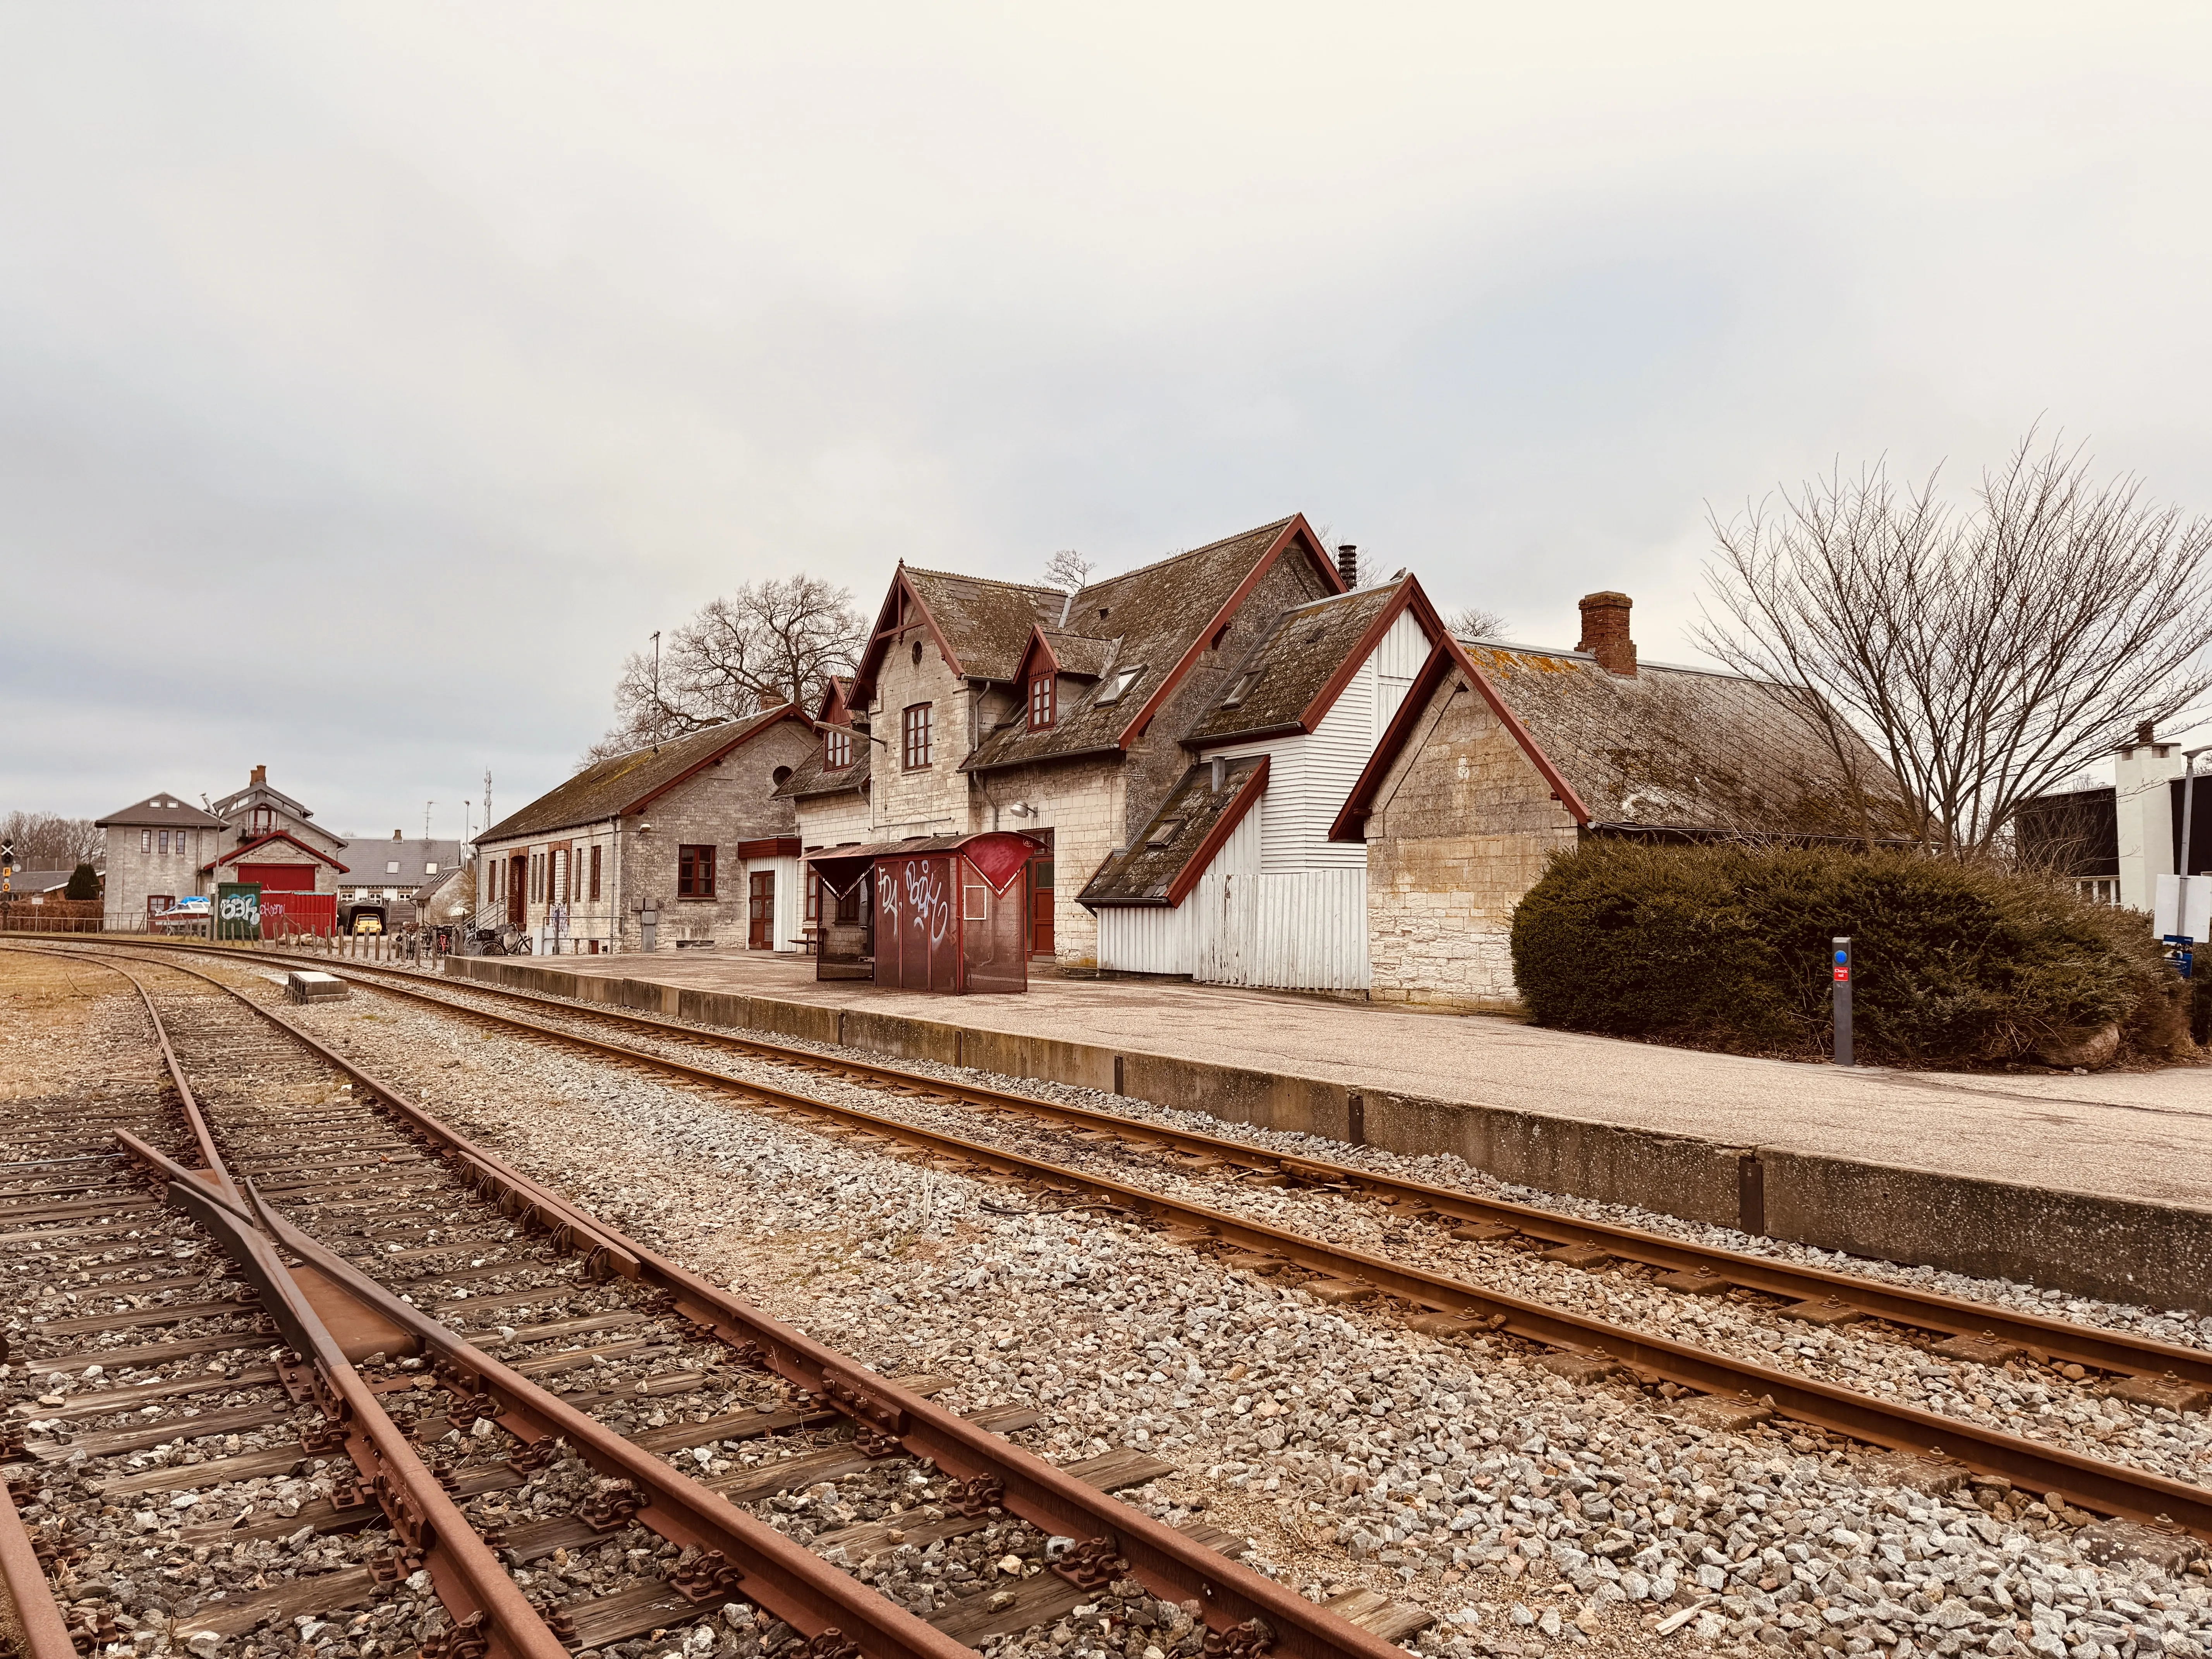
921 887
238 906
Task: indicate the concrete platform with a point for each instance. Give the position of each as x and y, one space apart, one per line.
2099 1184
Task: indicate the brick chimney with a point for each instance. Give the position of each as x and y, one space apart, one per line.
260 778
1605 632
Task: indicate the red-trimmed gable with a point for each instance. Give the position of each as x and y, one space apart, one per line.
1296 538
240 854
1350 823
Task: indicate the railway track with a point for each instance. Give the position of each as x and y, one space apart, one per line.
378 1462
1933 1451
2170 1375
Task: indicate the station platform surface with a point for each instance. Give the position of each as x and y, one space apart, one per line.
2143 1136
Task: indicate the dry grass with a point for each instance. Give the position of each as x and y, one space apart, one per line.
46 1006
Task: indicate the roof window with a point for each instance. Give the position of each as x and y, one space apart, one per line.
1115 685
1243 689
1164 832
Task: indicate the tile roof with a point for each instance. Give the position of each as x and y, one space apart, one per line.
1188 828
1078 654
162 811
1294 663
608 788
984 623
1680 748
1148 618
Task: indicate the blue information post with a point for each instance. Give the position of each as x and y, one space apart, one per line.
1843 989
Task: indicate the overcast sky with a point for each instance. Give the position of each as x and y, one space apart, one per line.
372 378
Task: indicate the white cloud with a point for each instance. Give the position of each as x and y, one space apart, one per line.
372 379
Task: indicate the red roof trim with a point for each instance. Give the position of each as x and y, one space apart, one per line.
1298 532
1036 642
1409 593
790 711
280 835
1217 837
1350 823
887 627
834 710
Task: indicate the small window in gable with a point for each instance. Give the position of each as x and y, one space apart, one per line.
836 749
1041 701
1164 832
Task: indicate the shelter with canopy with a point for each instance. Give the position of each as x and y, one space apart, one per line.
932 913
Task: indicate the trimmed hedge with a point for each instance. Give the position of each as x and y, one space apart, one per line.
1727 946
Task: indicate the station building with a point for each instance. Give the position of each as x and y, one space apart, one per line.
685 843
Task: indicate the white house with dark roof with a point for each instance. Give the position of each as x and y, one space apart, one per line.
1234 880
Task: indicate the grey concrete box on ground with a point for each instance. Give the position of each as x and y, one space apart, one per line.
2155 1249
310 987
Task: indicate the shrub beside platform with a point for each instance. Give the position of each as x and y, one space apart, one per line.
1726 947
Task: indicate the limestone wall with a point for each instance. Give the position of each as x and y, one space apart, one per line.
1462 827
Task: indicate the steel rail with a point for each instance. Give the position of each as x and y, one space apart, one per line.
478 1596
470 1582
2087 1482
2065 1342
756 1561
1171 1564
30 1616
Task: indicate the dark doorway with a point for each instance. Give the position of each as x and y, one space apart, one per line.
518 887
761 918
1041 896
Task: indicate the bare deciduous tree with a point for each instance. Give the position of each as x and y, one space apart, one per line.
1069 569
46 841
1472 622
766 642
1988 651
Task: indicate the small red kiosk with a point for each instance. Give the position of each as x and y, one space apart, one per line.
933 913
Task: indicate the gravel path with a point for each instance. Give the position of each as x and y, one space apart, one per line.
1350 1451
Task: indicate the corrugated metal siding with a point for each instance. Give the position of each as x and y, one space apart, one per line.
1304 932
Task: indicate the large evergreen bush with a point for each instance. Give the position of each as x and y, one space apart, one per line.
1728 946
83 883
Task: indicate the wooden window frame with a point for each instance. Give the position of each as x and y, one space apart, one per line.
688 863
916 733
1044 702
595 873
837 749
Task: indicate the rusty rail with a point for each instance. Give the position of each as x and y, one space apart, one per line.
431 1531
29 1616
755 1560
2106 1351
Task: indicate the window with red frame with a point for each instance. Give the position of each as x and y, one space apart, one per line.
694 872
917 736
595 873
1041 702
836 749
